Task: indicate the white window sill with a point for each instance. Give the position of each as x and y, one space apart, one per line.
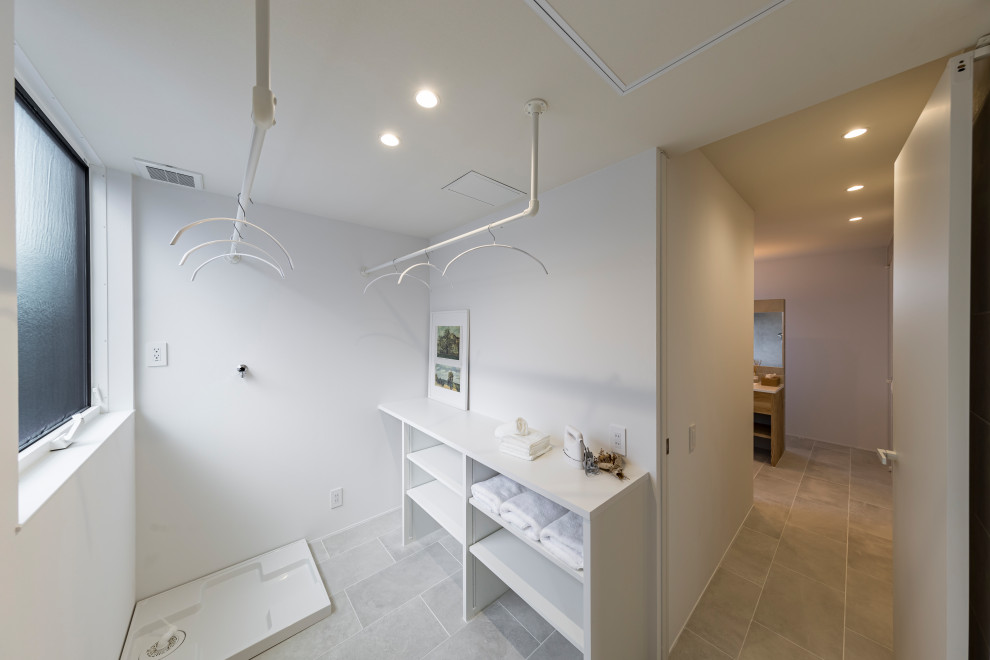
40 480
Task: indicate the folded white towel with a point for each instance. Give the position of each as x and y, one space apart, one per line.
524 454
564 539
531 513
493 492
512 442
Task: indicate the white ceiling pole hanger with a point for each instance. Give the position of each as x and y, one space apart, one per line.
493 244
534 108
263 114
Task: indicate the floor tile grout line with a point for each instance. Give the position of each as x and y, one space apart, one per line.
362 627
387 551
845 586
752 616
442 627
790 641
523 625
403 604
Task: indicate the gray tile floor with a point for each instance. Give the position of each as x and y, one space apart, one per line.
810 573
404 602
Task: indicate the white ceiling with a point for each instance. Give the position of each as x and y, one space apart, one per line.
794 171
171 82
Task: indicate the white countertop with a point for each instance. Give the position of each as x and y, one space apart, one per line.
768 389
551 475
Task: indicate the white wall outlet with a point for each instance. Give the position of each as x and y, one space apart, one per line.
156 354
336 498
692 438
617 435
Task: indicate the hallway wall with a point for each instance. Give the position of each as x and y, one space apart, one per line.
837 343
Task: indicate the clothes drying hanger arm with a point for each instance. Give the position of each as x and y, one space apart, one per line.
493 244
534 108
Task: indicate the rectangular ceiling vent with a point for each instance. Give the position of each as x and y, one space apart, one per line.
483 189
168 174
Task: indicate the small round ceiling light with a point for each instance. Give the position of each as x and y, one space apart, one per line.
854 133
856 219
427 99
389 140
858 186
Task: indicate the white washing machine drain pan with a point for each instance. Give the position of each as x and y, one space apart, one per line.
233 614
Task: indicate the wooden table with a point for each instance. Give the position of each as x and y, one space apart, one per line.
770 401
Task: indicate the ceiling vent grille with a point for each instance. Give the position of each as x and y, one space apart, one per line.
168 174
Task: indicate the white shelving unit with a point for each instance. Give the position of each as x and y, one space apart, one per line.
536 546
545 586
603 609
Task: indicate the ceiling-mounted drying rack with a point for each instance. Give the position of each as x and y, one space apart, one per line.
263 114
534 108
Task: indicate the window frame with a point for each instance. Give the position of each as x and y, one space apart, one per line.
57 427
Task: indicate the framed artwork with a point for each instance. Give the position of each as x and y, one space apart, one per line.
449 346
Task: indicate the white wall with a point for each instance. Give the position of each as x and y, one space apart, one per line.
230 468
578 346
707 256
837 343
74 580
8 335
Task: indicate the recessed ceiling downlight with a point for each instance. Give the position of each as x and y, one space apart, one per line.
856 219
858 186
856 132
389 140
427 99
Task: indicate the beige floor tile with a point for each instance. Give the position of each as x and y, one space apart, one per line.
767 488
871 519
764 644
798 445
873 492
750 554
824 492
863 456
804 611
790 467
831 446
838 475
813 556
724 611
871 555
860 648
691 647
870 608
878 472
756 466
767 518
829 521
836 459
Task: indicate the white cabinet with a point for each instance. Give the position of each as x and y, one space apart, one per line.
603 609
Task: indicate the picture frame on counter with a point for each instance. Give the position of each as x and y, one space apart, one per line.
447 379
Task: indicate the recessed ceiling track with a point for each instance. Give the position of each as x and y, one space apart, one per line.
570 35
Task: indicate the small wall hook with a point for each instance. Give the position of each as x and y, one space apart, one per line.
241 369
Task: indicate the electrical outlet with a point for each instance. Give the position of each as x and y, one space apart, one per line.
336 498
617 434
156 354
692 438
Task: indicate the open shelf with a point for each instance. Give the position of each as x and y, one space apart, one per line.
761 430
556 596
535 545
442 504
444 463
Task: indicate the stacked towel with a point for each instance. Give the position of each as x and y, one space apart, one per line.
564 539
495 491
531 513
517 439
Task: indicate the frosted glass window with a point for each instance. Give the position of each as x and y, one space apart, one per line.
52 274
